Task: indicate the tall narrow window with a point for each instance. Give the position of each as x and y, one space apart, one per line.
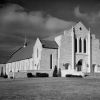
51 61
75 46
80 45
84 45
37 52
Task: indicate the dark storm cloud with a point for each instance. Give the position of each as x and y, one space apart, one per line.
92 18
39 18
15 22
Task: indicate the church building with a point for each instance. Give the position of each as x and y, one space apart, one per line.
74 51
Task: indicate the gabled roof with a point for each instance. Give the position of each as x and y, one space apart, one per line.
22 53
52 38
49 44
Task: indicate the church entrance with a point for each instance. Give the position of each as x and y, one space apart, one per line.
79 65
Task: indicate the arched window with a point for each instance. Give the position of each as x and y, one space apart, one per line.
80 45
75 45
84 45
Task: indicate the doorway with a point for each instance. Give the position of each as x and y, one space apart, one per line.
79 65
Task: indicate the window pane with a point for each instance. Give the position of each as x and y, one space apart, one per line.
84 46
51 61
80 45
75 45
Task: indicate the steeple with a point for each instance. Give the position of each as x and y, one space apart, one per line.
25 41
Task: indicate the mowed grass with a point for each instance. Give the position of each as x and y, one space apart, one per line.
50 89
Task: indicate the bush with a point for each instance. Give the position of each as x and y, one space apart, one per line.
59 73
55 72
5 76
69 75
29 75
86 75
2 74
42 75
11 77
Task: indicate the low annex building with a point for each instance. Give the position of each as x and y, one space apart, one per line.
38 57
73 51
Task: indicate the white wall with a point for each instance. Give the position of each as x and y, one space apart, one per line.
58 41
22 65
36 59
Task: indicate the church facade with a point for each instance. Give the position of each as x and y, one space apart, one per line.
79 51
75 51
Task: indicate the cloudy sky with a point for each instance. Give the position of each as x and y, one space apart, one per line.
42 18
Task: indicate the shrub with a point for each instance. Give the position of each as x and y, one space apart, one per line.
29 75
59 73
5 76
2 74
42 75
11 77
70 75
85 75
55 72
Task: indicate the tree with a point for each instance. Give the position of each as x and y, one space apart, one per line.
55 72
59 73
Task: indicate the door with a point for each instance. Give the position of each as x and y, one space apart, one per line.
79 65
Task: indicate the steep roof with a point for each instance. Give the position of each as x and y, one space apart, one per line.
49 44
22 53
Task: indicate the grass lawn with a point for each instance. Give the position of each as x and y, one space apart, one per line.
50 89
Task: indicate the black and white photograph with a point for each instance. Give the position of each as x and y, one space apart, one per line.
49 49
